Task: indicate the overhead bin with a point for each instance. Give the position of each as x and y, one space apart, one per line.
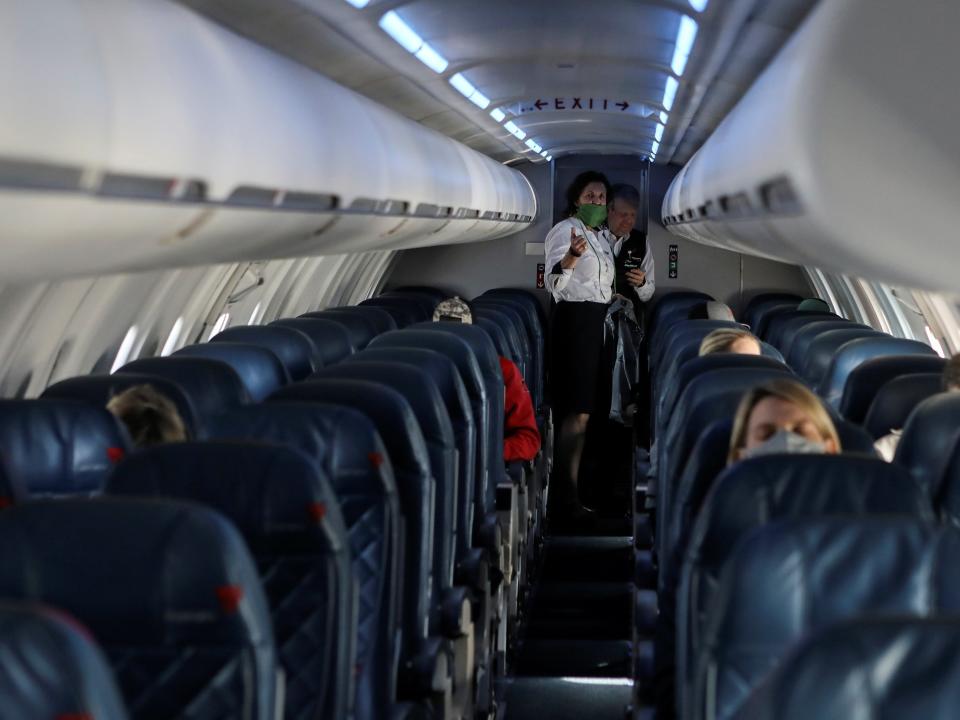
137 134
844 154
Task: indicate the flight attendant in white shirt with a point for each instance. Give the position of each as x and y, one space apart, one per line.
581 262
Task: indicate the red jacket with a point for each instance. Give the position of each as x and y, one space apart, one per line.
521 439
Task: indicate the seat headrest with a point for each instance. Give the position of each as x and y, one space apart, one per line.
415 309
441 369
897 398
813 305
821 349
710 310
98 389
275 495
434 293
853 438
759 490
425 301
864 379
212 385
793 577
381 319
361 328
341 440
929 436
498 334
330 340
403 312
416 386
757 314
52 668
388 409
795 344
854 353
136 572
913 665
59 447
294 348
259 369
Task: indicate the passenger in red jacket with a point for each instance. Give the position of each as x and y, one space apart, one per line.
521 439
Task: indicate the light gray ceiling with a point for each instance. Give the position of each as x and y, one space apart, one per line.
616 53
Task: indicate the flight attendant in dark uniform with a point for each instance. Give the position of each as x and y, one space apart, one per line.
581 262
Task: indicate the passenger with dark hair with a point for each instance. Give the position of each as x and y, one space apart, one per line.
887 445
151 418
581 271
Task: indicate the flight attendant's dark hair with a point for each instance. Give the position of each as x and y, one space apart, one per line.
579 183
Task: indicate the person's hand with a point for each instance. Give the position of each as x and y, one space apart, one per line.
636 278
578 244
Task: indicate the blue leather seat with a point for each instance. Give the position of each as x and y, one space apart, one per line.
512 322
59 447
854 353
784 323
294 348
98 389
711 396
437 295
330 340
760 304
212 385
795 346
913 666
794 577
422 656
52 668
421 392
260 371
381 319
821 349
754 492
460 352
505 346
929 437
402 308
534 323
345 444
682 334
671 308
677 381
866 378
425 301
361 328
897 398
288 515
169 591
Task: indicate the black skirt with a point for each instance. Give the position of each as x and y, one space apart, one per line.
580 363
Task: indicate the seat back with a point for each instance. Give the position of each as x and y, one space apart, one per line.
761 303
929 437
360 327
381 319
671 308
794 577
515 322
468 368
294 348
398 428
486 355
437 295
913 665
52 668
404 311
531 314
502 340
98 389
896 399
854 353
169 591
212 385
59 447
426 302
345 444
796 346
863 381
760 490
682 334
445 376
821 349
259 369
784 323
330 339
421 392
290 519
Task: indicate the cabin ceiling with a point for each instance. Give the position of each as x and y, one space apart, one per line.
617 55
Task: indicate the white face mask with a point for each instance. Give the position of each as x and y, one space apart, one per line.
784 441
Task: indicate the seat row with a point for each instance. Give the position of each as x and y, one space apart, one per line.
385 544
766 564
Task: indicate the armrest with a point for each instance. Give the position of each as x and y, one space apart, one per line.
473 571
455 613
429 670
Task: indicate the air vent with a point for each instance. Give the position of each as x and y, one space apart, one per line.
250 196
735 205
466 213
39 176
779 197
490 215
136 186
310 202
380 207
433 211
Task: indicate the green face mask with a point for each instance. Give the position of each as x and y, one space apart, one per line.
592 215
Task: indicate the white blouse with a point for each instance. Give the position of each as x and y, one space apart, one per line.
592 278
